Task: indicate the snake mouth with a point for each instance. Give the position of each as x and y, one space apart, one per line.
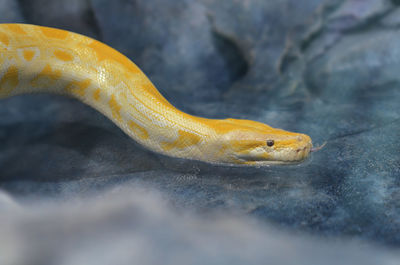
259 162
286 156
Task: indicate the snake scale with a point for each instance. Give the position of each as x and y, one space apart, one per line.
37 59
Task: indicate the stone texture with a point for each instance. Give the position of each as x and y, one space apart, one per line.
328 69
136 224
74 15
10 11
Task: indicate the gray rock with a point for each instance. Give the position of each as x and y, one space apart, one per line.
136 225
392 19
73 15
356 65
352 14
332 75
10 11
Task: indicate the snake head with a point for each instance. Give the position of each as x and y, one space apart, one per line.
254 143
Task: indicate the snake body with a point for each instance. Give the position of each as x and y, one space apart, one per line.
36 59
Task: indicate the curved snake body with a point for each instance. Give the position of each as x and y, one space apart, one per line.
37 59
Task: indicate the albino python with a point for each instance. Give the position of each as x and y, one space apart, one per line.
41 59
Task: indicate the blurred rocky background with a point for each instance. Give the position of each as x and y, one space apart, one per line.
75 190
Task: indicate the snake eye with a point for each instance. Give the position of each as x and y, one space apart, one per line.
270 142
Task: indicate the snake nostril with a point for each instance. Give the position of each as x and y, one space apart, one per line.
301 149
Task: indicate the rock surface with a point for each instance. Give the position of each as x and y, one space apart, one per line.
135 223
325 68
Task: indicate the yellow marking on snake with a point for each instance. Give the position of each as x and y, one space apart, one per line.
71 64
139 130
4 39
28 54
15 28
103 52
78 87
63 56
53 33
96 94
115 108
9 81
184 140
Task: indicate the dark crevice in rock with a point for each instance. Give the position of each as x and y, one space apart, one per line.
353 133
312 88
233 56
289 56
396 2
357 132
367 25
329 26
23 9
305 43
91 19
82 21
22 17
341 25
318 27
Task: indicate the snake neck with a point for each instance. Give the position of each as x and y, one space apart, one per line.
36 59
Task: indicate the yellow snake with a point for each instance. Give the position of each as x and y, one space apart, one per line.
35 59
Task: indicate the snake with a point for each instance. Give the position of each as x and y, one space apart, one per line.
39 59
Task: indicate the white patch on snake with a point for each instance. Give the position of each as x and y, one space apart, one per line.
35 50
